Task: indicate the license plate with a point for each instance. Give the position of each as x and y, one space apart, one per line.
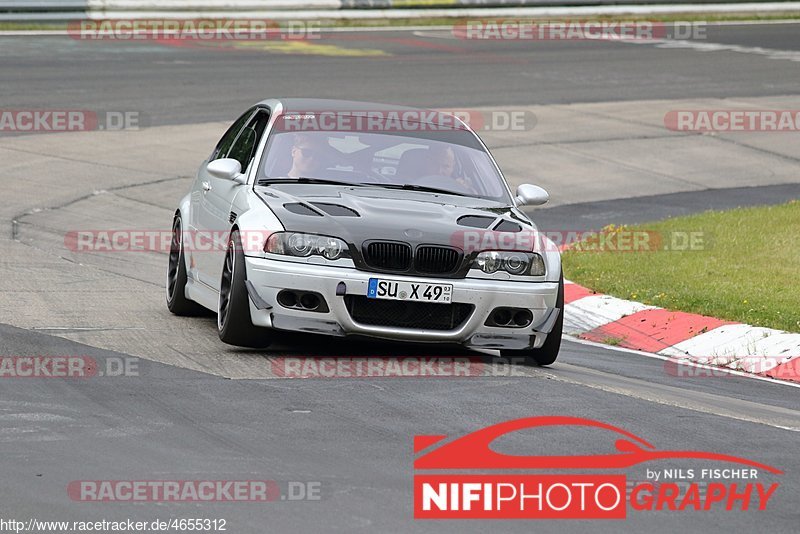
380 288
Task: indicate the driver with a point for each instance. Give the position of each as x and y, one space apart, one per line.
442 161
308 153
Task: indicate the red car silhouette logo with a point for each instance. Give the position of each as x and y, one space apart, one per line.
473 451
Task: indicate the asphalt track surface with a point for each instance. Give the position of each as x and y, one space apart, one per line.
354 436
178 85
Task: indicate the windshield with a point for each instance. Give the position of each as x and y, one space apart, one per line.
448 160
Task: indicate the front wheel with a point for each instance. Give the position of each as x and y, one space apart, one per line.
548 352
234 324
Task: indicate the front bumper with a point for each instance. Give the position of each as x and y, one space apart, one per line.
267 277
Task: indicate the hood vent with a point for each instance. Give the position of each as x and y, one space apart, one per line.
508 226
301 209
336 210
476 221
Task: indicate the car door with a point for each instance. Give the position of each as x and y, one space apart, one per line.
216 213
199 251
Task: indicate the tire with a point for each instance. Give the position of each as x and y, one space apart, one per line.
548 352
234 324
176 276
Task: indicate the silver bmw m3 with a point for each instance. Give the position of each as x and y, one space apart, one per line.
351 218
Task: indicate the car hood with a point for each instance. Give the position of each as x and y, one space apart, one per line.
359 214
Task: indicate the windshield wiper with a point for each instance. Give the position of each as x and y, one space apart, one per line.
304 180
424 188
322 181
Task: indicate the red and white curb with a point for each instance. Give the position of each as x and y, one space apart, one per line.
682 337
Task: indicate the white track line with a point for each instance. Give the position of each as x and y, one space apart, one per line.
688 363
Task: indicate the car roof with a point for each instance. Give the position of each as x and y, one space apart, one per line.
336 105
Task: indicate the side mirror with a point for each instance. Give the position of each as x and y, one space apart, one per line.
531 195
227 169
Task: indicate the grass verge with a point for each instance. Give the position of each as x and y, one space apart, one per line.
744 266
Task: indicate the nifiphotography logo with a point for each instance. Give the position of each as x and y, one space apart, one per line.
445 491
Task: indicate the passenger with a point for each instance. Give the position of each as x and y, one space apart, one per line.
442 162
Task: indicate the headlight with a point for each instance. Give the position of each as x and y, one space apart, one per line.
489 262
525 263
304 245
516 263
300 244
331 247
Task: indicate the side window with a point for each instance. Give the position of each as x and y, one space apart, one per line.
227 140
244 148
259 123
